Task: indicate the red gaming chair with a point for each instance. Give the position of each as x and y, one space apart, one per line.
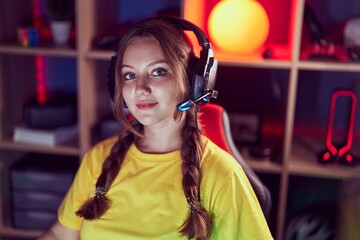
216 126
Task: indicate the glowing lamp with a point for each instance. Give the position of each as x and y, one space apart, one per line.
238 26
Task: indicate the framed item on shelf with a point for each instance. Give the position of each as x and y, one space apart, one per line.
245 127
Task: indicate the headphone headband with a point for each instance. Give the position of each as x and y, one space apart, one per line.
189 26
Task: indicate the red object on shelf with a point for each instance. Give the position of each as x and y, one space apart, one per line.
339 52
41 89
339 153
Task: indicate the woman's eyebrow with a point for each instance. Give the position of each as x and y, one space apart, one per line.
149 65
158 62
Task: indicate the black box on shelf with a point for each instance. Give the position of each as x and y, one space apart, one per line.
57 111
39 182
43 172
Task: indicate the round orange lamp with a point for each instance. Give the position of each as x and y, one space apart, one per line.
238 26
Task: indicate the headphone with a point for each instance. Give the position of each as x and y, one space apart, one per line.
201 70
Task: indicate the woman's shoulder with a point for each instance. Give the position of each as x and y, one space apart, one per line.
97 154
217 160
104 145
219 169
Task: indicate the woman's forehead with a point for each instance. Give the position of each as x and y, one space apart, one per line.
143 49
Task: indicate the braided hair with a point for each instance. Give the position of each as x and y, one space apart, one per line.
177 50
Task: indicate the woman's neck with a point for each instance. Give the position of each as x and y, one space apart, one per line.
161 139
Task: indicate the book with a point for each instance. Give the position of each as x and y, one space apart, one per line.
47 137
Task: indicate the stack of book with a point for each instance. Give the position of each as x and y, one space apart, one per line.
47 137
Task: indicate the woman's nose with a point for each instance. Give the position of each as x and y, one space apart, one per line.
142 87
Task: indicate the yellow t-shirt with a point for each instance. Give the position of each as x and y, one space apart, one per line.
147 200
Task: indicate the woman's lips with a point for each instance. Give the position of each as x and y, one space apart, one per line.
146 106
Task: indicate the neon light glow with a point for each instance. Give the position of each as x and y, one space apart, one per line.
349 158
36 14
41 91
326 156
329 144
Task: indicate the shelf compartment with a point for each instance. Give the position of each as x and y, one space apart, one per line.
314 201
32 14
19 76
328 23
314 92
25 173
260 93
282 18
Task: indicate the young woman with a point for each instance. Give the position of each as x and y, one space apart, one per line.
159 178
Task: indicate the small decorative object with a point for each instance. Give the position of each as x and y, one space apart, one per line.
59 110
321 44
238 26
338 150
28 37
60 13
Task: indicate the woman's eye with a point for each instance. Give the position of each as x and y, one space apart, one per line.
159 72
129 76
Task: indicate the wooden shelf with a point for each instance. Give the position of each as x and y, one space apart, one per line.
46 50
262 165
329 66
19 233
303 161
265 166
71 149
261 63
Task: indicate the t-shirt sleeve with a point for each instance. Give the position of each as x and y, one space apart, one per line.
237 213
78 193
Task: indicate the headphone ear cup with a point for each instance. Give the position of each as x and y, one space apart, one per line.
190 77
197 83
111 77
212 76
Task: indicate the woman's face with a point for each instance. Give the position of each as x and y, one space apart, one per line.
149 84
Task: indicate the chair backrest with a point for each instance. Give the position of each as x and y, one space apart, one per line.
216 126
